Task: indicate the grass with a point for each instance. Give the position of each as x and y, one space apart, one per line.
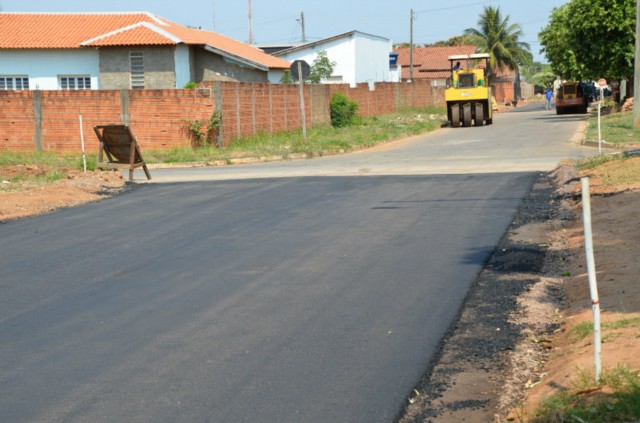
585 329
595 161
320 140
616 128
615 398
19 181
618 170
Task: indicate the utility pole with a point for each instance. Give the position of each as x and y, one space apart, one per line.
636 72
301 20
411 46
213 6
251 40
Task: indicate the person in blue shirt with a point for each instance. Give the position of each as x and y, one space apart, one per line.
549 95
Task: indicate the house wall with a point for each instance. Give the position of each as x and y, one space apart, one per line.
359 58
159 67
372 59
49 120
212 67
44 66
183 65
275 75
340 51
108 67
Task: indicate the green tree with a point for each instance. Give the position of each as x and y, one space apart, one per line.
322 68
455 41
555 40
538 74
588 39
287 78
500 39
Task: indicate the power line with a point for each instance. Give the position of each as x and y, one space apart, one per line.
262 23
455 7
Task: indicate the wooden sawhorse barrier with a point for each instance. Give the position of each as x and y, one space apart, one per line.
121 148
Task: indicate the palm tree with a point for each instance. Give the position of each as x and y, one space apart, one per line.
500 39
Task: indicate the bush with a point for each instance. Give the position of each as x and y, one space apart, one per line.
343 110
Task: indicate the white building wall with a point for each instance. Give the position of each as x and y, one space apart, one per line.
339 51
395 73
44 66
359 58
275 75
372 59
183 65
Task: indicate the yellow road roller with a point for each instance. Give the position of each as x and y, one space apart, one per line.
468 94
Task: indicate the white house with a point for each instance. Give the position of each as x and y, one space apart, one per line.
359 57
136 50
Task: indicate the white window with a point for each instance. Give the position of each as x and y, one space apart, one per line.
14 82
136 64
75 82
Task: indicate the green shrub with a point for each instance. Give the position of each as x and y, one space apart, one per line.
343 110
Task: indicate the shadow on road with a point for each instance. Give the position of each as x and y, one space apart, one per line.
564 118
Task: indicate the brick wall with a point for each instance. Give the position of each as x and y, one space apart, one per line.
17 121
49 120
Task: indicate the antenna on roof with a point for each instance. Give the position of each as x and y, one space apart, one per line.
251 40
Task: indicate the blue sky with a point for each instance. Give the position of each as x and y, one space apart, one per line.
278 21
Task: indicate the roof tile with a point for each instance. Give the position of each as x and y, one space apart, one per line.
71 30
429 62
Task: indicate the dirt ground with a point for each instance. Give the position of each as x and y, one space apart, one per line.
21 198
512 344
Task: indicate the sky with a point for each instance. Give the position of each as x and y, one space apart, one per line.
279 21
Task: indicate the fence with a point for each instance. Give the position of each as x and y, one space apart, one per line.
160 119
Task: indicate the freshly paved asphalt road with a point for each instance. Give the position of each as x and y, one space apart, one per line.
292 296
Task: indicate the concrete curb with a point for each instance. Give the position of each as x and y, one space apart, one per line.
605 144
248 160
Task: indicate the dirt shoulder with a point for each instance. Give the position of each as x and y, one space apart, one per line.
21 195
514 344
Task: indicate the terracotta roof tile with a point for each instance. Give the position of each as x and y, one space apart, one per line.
135 35
429 62
78 30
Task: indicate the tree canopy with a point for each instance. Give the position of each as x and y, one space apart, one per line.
500 39
322 68
588 39
455 41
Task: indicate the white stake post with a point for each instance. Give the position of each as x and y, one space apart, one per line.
84 156
302 111
602 84
591 268
599 131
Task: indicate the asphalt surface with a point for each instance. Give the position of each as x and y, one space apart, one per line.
285 298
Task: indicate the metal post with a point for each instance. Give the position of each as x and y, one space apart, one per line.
591 269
